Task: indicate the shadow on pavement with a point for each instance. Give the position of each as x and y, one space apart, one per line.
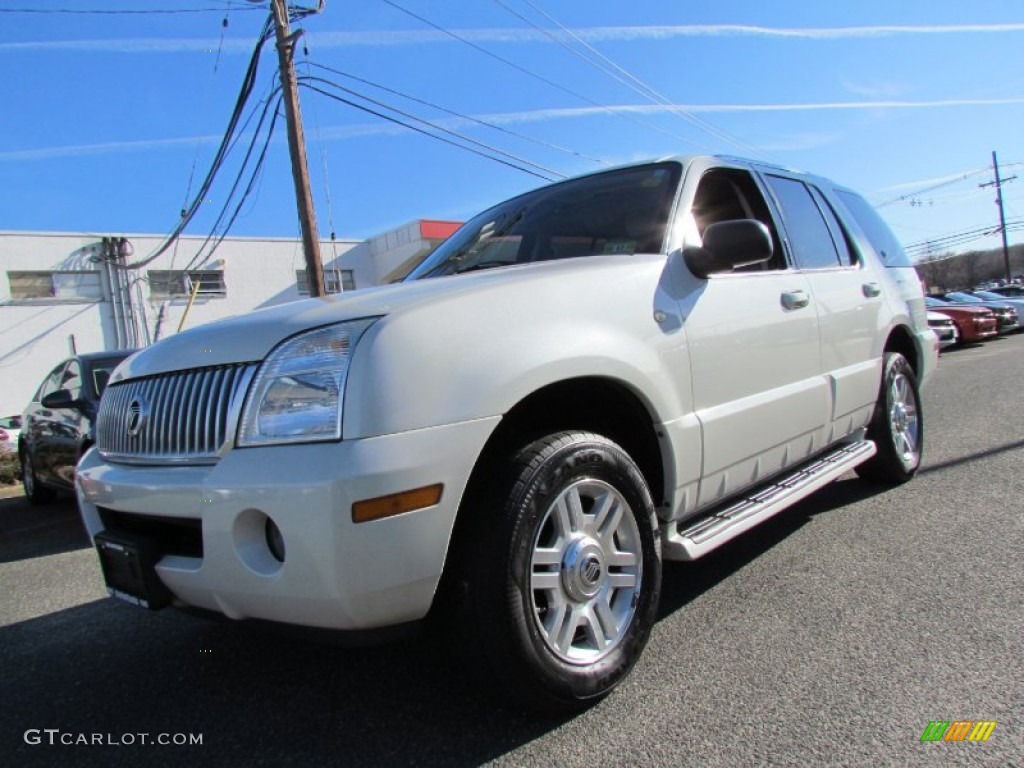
684 582
262 698
256 698
27 532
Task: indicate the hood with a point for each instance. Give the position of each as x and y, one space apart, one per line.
251 336
963 309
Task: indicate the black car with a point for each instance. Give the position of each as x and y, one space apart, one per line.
57 426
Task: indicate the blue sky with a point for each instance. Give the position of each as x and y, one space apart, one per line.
106 115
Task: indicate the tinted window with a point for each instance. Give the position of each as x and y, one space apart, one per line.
963 298
52 382
809 236
835 227
878 233
726 194
72 380
618 212
101 370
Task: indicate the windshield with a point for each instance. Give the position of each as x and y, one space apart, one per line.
964 298
990 295
101 370
619 212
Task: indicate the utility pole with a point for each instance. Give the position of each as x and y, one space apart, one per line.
297 148
998 184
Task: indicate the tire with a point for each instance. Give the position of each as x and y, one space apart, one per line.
897 426
563 582
36 493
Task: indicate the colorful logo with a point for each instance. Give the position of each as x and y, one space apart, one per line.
958 730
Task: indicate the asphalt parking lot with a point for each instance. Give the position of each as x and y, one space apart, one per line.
832 635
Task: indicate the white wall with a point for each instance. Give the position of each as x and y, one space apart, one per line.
34 333
258 272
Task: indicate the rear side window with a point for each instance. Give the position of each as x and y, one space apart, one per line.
72 380
835 227
809 234
51 384
878 233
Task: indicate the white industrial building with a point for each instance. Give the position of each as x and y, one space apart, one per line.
62 292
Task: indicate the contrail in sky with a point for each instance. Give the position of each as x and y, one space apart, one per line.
506 118
511 35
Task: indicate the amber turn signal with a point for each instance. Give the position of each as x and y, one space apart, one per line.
396 503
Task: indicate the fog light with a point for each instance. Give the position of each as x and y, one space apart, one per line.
275 541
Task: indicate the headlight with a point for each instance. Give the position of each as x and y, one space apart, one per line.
298 391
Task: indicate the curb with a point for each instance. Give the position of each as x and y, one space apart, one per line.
11 491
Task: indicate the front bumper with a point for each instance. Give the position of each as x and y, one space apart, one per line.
336 574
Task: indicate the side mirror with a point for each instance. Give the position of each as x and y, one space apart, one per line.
729 245
60 399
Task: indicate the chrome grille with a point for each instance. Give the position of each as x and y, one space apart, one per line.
183 417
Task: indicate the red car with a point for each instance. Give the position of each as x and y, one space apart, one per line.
974 324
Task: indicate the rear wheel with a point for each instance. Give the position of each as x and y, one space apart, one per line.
897 426
563 586
35 492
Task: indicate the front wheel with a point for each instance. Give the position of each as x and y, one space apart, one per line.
35 492
897 426
564 584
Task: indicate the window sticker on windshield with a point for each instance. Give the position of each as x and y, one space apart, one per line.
619 246
656 179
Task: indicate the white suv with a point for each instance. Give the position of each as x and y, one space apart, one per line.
625 367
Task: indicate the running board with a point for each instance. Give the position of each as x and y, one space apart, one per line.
710 532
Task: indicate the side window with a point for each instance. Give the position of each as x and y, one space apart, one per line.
72 380
726 194
52 382
847 252
809 236
881 237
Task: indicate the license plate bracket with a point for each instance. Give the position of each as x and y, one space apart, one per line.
128 562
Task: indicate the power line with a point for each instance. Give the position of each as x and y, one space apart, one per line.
421 130
536 76
195 156
227 142
323 151
253 177
453 113
961 237
619 74
435 126
918 192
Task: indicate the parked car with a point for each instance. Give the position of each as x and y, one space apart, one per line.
638 364
10 429
973 323
1007 319
1012 290
59 423
945 329
1016 303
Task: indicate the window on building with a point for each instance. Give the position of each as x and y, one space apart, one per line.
174 283
60 285
335 281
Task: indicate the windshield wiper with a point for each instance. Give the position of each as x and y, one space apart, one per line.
486 265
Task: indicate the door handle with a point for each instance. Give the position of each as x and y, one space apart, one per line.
871 290
795 299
